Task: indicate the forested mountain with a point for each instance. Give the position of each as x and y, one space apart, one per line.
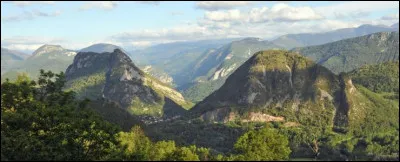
349 54
114 77
9 58
174 59
211 69
47 57
287 88
290 41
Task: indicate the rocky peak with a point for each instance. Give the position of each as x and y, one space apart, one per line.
46 49
114 77
269 81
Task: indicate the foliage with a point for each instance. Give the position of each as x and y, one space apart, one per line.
41 122
264 144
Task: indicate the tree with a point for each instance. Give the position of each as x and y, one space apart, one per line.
41 122
263 144
137 144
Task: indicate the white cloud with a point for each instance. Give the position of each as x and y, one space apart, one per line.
355 14
104 5
221 5
391 17
348 8
229 15
28 3
27 15
283 12
141 44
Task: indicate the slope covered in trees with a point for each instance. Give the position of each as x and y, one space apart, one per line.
39 121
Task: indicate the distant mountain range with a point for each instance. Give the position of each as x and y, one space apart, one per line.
101 47
210 70
47 57
290 41
349 54
9 58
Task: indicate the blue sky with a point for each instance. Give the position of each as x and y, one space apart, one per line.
26 26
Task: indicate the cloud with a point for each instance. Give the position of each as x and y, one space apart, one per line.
391 17
349 8
283 12
356 14
229 15
221 5
141 44
104 5
28 3
27 15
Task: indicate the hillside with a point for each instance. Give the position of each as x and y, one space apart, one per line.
114 77
9 58
210 71
47 57
287 87
349 54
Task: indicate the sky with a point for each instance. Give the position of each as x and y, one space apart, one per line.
27 25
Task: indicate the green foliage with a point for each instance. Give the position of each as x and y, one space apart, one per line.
138 145
264 144
349 54
378 78
41 122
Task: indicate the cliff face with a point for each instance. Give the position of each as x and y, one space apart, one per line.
286 87
114 77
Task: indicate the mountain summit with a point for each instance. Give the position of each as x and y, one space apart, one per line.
282 86
113 76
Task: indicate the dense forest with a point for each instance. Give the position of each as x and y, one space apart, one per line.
39 121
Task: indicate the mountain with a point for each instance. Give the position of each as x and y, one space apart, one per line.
100 48
212 68
47 57
9 58
349 54
286 87
382 77
290 41
104 47
175 59
113 77
159 74
396 26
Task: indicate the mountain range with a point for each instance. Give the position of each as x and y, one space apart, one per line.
47 57
290 41
9 58
349 54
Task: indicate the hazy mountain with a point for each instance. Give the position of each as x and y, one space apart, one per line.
175 59
309 39
291 89
47 57
396 25
9 58
349 54
100 48
212 68
114 77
